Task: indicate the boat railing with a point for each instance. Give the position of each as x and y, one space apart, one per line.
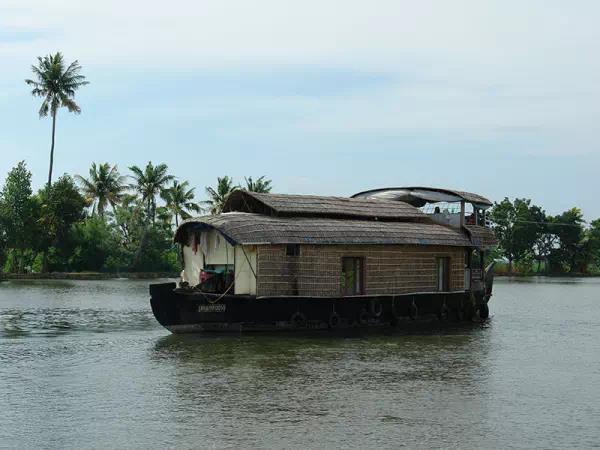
449 214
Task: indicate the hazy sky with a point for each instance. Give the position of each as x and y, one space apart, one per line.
496 97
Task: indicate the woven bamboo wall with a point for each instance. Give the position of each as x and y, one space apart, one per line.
389 269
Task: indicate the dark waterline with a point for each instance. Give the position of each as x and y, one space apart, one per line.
83 364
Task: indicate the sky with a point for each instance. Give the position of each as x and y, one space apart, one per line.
323 97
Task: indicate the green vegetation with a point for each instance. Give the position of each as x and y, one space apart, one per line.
105 186
260 185
103 224
225 185
100 223
534 242
179 200
56 83
217 196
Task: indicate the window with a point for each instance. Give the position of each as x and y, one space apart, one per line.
443 274
292 250
352 276
476 265
467 264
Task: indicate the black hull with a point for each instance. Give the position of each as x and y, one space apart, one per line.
194 312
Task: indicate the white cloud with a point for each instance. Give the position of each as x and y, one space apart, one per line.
479 66
480 69
221 32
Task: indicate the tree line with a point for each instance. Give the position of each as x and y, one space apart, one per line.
106 222
530 240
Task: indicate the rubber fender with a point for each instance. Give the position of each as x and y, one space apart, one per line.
334 320
413 310
444 311
375 308
484 311
298 320
363 317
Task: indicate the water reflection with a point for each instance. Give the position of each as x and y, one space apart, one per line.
57 321
287 380
363 362
47 285
56 307
277 352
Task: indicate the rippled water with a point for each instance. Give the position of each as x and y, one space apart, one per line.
85 365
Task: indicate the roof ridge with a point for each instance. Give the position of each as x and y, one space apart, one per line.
318 205
318 196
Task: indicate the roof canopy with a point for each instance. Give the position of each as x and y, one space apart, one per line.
376 217
249 228
419 196
281 205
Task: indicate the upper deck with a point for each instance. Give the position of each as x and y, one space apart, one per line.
443 206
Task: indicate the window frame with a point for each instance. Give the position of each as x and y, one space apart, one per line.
358 265
444 263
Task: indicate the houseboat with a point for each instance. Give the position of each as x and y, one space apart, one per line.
381 258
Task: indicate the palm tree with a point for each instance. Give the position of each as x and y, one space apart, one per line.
149 183
219 195
57 84
179 200
261 185
104 186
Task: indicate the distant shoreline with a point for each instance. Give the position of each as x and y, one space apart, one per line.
155 275
87 276
547 275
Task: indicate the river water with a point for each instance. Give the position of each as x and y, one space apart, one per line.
84 365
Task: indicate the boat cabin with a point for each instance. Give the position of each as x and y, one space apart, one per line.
380 242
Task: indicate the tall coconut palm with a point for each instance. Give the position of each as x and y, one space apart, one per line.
179 200
261 185
105 186
150 182
56 83
218 196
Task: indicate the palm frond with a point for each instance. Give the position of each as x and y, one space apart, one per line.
218 196
104 186
56 84
45 106
69 103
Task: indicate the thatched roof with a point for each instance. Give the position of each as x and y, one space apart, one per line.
249 228
418 196
283 205
481 236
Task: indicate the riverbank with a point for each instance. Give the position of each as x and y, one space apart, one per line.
547 275
87 276
155 275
